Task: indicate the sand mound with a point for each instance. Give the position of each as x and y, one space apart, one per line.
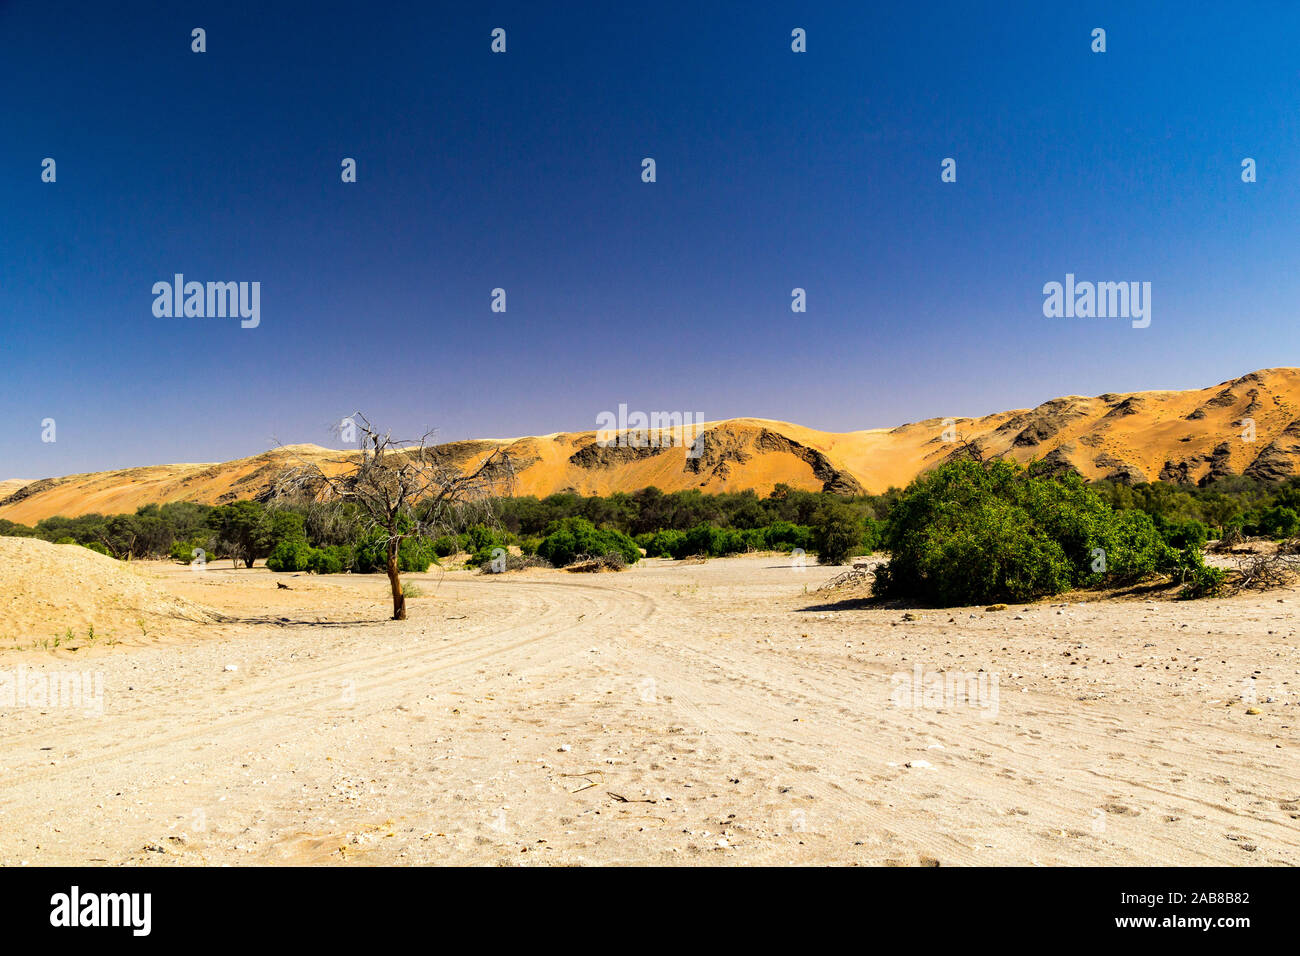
45 589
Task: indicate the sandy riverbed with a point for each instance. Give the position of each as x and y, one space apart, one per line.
714 713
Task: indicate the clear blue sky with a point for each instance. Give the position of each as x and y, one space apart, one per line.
522 171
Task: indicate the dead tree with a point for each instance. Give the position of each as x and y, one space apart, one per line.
401 489
971 449
1264 572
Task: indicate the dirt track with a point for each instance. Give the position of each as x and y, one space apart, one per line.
709 713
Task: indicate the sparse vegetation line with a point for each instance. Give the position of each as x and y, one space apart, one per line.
1001 532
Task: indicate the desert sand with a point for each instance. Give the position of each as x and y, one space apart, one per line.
62 593
723 712
1249 425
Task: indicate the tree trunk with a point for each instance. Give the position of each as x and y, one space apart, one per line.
395 580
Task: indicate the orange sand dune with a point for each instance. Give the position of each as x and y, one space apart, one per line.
1183 436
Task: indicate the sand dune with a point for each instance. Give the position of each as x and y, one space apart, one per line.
1183 436
65 592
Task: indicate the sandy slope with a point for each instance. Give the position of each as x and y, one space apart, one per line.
10 485
699 713
52 592
1140 436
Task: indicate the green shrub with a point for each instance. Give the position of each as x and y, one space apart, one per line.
784 536
1182 534
485 555
567 539
664 544
183 551
285 526
972 533
1133 551
291 555
485 542
871 535
481 537
295 555
729 541
559 547
703 539
1199 579
1279 522
413 554
837 532
332 560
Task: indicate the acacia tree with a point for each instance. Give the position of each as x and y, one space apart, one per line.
244 529
400 489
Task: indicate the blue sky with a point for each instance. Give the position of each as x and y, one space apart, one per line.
775 170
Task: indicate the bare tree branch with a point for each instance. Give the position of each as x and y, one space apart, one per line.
400 489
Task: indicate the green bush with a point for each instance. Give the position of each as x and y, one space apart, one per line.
481 537
332 560
295 555
729 541
485 555
1182 534
413 554
291 555
1199 579
285 526
972 533
1279 522
663 544
567 539
837 532
445 546
784 536
703 539
1133 550
710 541
871 533
183 551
